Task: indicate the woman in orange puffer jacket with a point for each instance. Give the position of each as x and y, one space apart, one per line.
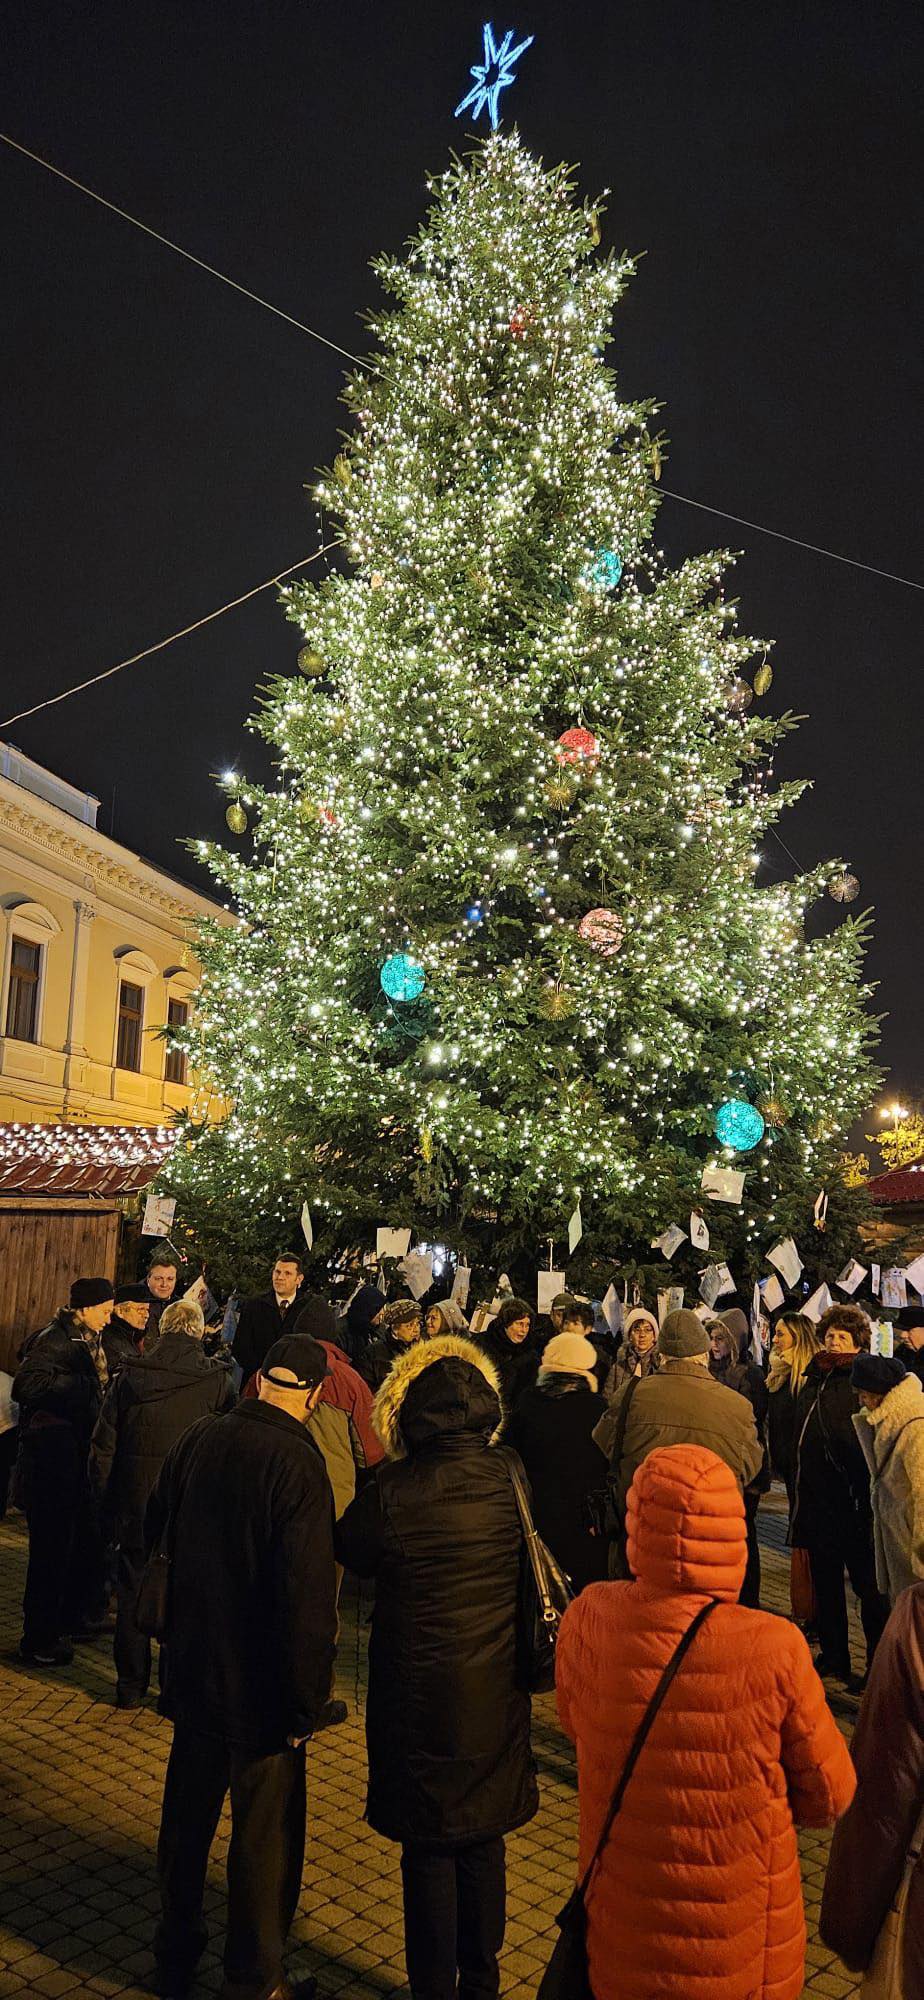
697 1893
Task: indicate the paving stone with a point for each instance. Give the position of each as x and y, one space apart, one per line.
80 1792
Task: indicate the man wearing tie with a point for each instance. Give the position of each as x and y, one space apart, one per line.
267 1317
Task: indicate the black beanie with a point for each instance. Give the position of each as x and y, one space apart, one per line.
316 1320
90 1292
132 1295
877 1373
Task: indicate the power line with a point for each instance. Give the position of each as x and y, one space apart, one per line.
159 644
722 513
168 244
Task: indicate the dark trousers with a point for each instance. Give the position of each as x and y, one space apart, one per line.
850 1550
131 1646
750 1589
64 1580
454 1909
9 1441
265 1858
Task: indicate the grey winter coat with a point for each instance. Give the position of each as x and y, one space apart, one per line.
893 1443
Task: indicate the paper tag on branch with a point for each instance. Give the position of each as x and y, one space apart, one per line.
307 1230
460 1285
669 1241
714 1282
669 1301
547 1284
914 1274
159 1211
612 1310
788 1262
818 1303
575 1230
417 1271
874 1279
392 1242
723 1183
772 1294
851 1277
894 1291
699 1234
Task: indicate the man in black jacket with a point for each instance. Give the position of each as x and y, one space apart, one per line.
245 1507
267 1317
123 1336
59 1389
152 1400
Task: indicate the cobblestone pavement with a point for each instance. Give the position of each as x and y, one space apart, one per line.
80 1790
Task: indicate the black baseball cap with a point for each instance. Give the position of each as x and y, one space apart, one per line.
295 1362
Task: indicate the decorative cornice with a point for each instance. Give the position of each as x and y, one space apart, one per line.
79 853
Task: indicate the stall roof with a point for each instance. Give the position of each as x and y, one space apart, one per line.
898 1185
103 1160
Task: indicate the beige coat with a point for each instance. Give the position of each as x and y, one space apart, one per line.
893 1444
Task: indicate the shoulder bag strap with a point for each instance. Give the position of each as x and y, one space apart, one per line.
530 1536
642 1733
619 1437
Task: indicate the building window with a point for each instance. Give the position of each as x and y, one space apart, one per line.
175 1066
22 1003
131 1011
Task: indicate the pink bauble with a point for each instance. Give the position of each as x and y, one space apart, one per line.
604 930
577 746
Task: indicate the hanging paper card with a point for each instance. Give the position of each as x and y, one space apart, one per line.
818 1303
874 1336
722 1184
874 1275
670 1241
886 1338
669 1301
714 1282
417 1271
392 1242
851 1277
159 1211
504 1291
460 1285
575 1230
772 1294
787 1260
612 1310
914 1274
307 1230
699 1234
547 1284
894 1291
820 1211
756 1310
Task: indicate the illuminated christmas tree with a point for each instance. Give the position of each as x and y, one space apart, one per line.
505 939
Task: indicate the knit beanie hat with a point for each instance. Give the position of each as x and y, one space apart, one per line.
570 1354
316 1320
878 1373
399 1313
131 1295
90 1292
635 1317
682 1336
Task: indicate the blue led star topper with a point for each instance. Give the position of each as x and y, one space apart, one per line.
402 978
738 1125
493 75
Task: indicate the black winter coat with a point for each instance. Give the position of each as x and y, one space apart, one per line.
260 1324
57 1380
551 1428
832 1476
912 1358
252 1613
378 1359
120 1344
782 1434
749 1381
517 1365
447 1726
148 1406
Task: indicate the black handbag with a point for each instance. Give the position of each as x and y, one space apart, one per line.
545 1594
566 1976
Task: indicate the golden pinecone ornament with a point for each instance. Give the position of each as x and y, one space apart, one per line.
556 1003
310 662
561 793
763 679
236 818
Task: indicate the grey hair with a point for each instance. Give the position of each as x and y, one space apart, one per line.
183 1317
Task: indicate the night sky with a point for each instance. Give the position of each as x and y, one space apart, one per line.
159 430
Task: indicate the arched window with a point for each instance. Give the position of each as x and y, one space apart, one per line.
30 929
136 970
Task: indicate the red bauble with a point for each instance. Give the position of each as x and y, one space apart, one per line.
578 746
603 929
520 321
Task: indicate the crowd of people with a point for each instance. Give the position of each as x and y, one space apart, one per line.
236 1473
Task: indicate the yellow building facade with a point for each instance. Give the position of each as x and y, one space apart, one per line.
95 960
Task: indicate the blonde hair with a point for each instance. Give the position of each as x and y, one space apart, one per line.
805 1344
183 1317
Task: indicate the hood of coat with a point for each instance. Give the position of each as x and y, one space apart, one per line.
363 1308
437 1388
900 1407
685 1522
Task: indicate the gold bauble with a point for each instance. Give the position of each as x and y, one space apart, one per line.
310 662
560 794
738 696
763 679
773 1111
343 470
844 887
656 458
426 1144
556 1003
236 818
376 580
308 811
593 223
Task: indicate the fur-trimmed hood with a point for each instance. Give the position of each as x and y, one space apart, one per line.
437 1387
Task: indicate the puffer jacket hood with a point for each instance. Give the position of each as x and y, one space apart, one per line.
437 1388
685 1524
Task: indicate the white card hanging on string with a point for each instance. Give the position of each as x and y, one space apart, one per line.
723 1184
772 1294
611 1309
699 1234
820 1211
669 1301
874 1279
307 1230
669 1241
818 1303
159 1211
503 1290
547 1284
851 1277
460 1285
914 1274
712 1283
575 1230
874 1336
787 1260
894 1291
886 1338
392 1242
